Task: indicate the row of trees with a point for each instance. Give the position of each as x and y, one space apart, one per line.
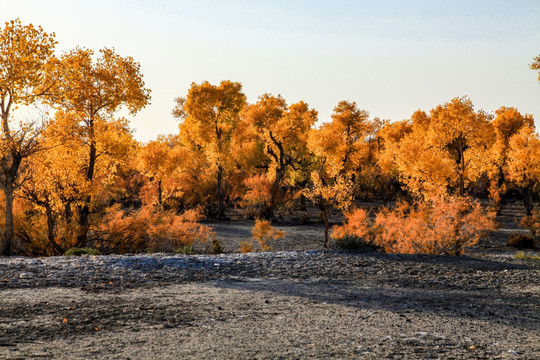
78 177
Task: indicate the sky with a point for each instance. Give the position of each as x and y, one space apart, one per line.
391 57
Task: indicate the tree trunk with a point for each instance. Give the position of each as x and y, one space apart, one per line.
51 227
84 210
84 223
302 201
219 193
275 195
461 172
528 200
8 238
160 195
8 181
324 213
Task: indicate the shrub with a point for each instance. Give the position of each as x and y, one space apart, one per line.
531 222
170 231
263 232
246 247
162 231
186 250
355 232
439 227
348 242
216 247
257 195
522 256
522 241
75 251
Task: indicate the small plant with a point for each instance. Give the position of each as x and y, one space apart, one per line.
531 222
246 247
522 256
81 251
355 232
349 242
186 250
522 241
263 232
216 247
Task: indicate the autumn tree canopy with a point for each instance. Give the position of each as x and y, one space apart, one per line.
90 92
209 116
25 57
283 130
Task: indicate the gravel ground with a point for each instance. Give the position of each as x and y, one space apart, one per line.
296 304
282 304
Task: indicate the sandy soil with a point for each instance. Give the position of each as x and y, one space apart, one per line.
283 304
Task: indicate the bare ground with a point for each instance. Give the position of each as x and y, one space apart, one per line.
285 304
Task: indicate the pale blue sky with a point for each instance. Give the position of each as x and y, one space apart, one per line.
391 57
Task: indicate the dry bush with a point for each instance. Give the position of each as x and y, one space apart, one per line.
263 232
522 241
246 247
162 231
443 227
357 224
440 227
531 222
121 232
170 231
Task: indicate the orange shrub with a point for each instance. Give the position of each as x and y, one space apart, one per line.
246 247
163 231
263 232
357 224
441 227
170 231
119 231
531 222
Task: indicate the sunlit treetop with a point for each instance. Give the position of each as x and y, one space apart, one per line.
536 65
92 86
25 52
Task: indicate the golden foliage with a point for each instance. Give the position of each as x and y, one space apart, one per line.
162 231
263 233
442 227
356 224
524 157
445 149
536 65
257 195
531 222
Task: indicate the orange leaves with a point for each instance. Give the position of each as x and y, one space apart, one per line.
536 65
445 150
164 231
257 195
168 231
102 86
356 224
524 157
25 52
263 232
441 227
